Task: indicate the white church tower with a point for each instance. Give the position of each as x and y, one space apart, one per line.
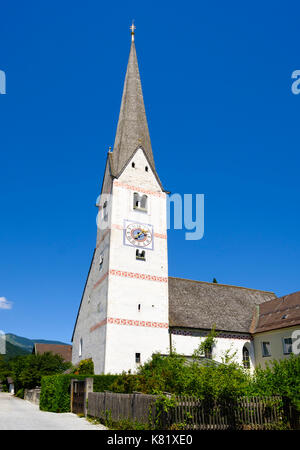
123 315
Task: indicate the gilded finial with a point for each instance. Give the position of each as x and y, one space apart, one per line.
133 27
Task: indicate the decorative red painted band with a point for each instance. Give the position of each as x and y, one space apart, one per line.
103 237
130 322
141 276
117 227
138 189
101 279
99 324
161 236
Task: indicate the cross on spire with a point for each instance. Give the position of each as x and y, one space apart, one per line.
132 28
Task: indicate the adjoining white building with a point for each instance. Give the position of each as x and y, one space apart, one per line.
196 306
130 307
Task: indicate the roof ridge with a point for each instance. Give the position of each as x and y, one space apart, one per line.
282 298
227 285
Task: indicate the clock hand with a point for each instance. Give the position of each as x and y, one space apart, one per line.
140 233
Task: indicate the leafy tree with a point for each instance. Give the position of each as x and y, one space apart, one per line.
27 371
5 370
214 280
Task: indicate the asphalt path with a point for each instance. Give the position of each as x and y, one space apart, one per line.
18 414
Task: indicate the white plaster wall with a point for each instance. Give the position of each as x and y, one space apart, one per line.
93 310
137 176
123 342
125 293
186 345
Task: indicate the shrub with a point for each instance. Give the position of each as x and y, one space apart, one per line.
125 383
85 367
104 382
55 393
278 378
20 393
55 390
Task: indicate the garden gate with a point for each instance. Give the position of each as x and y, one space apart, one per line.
78 396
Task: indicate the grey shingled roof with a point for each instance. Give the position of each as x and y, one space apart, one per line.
132 130
198 304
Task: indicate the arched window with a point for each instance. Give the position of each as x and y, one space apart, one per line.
246 358
140 202
140 255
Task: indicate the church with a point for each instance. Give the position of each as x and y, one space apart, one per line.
130 307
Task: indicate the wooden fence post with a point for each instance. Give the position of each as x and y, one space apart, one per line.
88 387
71 394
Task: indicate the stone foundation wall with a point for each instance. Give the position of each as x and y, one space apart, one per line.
32 395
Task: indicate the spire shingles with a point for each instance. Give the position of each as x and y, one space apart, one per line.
132 129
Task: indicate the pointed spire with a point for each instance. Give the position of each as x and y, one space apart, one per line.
132 129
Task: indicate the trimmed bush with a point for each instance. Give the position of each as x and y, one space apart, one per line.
104 382
55 393
55 390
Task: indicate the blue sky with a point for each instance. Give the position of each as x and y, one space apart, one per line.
223 121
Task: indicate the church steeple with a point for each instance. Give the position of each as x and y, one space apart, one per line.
132 129
123 316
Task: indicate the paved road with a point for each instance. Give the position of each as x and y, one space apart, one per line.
18 414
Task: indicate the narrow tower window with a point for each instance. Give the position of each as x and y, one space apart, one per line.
138 358
105 214
133 165
80 347
140 255
101 262
146 168
139 307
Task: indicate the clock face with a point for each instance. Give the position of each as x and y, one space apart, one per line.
138 235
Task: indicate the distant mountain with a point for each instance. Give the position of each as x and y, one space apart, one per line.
14 350
18 345
18 341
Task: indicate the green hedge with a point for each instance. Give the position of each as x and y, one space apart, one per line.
103 382
55 390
